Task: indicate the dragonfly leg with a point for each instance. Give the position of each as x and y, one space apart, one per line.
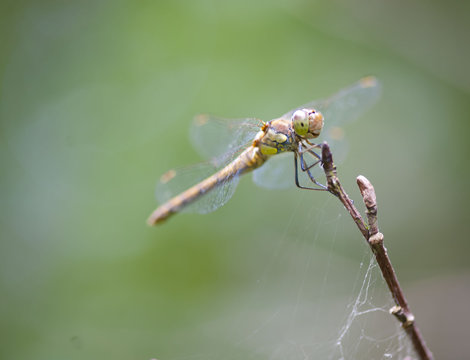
320 187
306 168
304 163
308 149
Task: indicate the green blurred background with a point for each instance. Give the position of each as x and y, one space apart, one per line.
95 104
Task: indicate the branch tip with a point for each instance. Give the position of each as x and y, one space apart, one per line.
327 158
367 191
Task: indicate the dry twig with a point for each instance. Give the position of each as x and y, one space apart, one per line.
374 238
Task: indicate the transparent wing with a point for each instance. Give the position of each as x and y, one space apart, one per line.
175 181
348 104
213 137
276 173
343 107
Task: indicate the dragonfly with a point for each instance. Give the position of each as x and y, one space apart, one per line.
238 146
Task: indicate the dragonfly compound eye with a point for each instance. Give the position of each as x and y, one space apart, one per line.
315 119
300 122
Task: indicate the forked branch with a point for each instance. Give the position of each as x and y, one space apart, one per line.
374 238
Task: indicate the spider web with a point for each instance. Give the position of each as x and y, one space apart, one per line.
309 300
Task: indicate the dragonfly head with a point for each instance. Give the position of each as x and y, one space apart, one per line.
307 123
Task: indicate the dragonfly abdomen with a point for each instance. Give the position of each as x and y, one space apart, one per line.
247 161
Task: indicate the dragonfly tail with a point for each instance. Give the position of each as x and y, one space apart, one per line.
247 161
159 215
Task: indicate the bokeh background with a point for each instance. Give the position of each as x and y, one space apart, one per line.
96 100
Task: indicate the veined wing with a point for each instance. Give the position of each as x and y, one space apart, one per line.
176 181
213 136
346 105
343 107
277 172
221 141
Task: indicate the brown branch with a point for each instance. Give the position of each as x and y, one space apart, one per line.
374 238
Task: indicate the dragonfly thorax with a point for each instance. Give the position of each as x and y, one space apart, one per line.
277 136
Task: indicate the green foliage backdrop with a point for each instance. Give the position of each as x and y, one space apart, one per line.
96 99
